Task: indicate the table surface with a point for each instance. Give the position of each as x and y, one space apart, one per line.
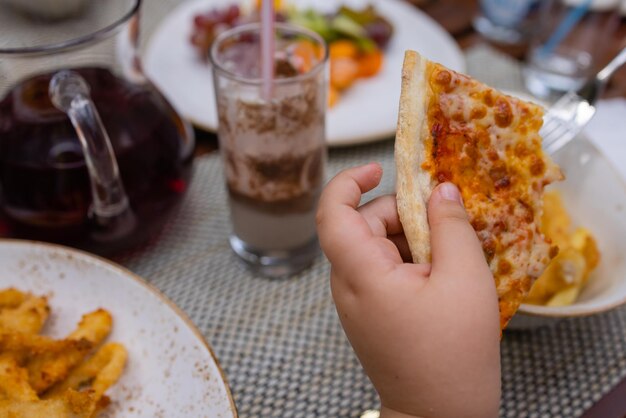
455 16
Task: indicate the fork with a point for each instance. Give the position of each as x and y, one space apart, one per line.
569 115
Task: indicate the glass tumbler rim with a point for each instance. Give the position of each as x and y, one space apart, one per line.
256 27
95 36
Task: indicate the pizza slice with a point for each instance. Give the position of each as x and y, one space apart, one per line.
453 128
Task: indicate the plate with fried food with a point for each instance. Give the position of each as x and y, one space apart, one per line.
367 41
82 337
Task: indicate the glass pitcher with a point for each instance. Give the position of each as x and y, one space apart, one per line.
91 154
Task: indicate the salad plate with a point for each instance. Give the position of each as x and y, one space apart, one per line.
364 113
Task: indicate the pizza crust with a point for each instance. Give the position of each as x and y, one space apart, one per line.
414 185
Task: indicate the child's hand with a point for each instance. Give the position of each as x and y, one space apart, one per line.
427 336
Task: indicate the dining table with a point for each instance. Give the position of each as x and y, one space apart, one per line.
279 341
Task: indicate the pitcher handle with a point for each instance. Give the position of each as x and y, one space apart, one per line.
69 92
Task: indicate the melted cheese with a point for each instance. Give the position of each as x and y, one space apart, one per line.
488 144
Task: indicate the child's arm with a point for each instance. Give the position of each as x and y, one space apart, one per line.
428 336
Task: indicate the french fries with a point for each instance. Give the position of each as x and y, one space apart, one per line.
73 404
102 370
43 377
22 313
11 298
14 381
561 282
50 368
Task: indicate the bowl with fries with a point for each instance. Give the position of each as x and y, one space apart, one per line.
585 216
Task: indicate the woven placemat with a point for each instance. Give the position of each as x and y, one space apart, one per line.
280 342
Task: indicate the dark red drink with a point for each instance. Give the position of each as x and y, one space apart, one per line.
44 184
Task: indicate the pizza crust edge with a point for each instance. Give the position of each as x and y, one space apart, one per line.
414 185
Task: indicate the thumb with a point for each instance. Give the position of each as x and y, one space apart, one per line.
455 248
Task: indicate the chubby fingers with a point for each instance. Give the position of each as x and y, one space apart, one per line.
460 275
381 214
339 225
456 251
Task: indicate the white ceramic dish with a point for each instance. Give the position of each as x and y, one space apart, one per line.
595 196
366 112
171 370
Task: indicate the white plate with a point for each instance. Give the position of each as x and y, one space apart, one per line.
171 371
366 112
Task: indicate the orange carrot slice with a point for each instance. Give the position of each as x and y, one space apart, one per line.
343 49
370 63
343 72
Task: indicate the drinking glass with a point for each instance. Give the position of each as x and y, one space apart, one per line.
572 46
509 21
272 146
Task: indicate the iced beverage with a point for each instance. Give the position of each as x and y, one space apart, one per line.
273 147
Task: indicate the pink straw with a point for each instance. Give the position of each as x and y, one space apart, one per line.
267 47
